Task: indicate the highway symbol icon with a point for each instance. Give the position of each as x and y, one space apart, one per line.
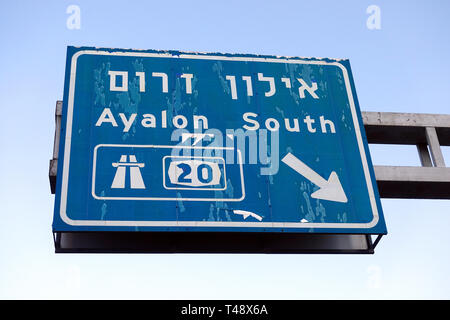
136 181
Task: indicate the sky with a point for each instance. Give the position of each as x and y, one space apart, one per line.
402 66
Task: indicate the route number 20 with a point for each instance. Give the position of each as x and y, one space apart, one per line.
194 173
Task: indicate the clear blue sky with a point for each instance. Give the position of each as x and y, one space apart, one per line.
403 67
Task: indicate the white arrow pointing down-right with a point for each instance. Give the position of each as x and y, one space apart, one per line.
330 189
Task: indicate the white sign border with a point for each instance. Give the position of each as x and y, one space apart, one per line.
119 223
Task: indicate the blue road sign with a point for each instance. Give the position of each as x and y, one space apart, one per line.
174 141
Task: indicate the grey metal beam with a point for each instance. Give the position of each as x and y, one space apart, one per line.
408 174
428 132
424 155
413 182
435 148
405 128
395 119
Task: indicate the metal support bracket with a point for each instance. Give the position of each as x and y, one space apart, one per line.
428 132
53 168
